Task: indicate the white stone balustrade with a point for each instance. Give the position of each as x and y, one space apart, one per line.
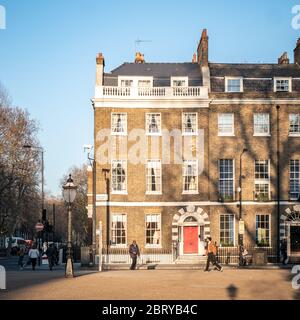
110 92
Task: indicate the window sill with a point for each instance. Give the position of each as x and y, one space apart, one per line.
189 133
154 134
153 193
226 135
152 246
234 91
190 192
118 134
294 134
118 246
261 135
119 192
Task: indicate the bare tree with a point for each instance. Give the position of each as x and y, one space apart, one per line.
19 170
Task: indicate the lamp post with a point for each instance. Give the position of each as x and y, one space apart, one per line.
241 232
69 194
41 150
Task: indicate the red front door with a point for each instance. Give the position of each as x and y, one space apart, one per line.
190 240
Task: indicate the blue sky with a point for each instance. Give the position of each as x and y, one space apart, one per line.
48 50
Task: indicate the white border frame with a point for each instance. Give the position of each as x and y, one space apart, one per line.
186 79
126 231
153 246
261 134
111 125
263 181
234 78
234 229
282 78
160 129
292 134
226 134
135 80
146 167
182 124
111 175
197 176
270 229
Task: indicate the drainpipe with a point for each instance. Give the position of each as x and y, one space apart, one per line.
278 184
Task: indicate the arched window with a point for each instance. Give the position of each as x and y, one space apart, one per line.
190 219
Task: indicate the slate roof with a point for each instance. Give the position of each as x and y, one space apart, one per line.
161 72
247 70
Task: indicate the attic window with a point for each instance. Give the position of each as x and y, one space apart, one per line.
179 81
282 84
233 84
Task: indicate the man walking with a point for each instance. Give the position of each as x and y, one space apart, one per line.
51 256
134 252
211 255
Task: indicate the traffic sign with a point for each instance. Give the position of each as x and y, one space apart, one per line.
39 227
241 227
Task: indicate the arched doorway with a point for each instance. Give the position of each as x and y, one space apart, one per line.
290 230
190 227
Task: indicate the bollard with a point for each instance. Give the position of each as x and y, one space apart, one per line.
2 278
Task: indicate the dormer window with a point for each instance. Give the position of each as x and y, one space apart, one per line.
233 84
144 83
126 83
282 84
179 81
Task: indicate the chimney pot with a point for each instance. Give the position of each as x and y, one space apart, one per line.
194 60
100 59
139 58
297 52
284 59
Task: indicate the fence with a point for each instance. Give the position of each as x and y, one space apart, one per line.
147 255
230 255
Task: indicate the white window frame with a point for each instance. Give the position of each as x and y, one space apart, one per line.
270 230
233 179
126 176
113 133
186 79
146 124
261 134
183 124
234 228
226 134
282 78
193 162
119 245
234 78
258 181
148 245
294 179
293 134
160 178
135 80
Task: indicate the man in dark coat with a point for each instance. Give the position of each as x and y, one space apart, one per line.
134 252
51 256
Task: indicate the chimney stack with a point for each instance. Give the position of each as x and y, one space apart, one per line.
100 63
284 59
194 60
297 52
139 58
202 51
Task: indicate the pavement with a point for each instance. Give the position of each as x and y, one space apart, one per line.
149 284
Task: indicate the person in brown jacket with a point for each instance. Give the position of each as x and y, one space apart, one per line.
211 255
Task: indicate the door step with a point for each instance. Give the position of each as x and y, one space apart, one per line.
191 260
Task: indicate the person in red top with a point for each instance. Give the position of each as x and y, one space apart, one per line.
211 252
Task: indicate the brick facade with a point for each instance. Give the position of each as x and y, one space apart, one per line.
205 207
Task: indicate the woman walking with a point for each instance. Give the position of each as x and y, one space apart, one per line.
33 255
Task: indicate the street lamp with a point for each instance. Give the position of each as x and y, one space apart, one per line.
69 194
241 232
